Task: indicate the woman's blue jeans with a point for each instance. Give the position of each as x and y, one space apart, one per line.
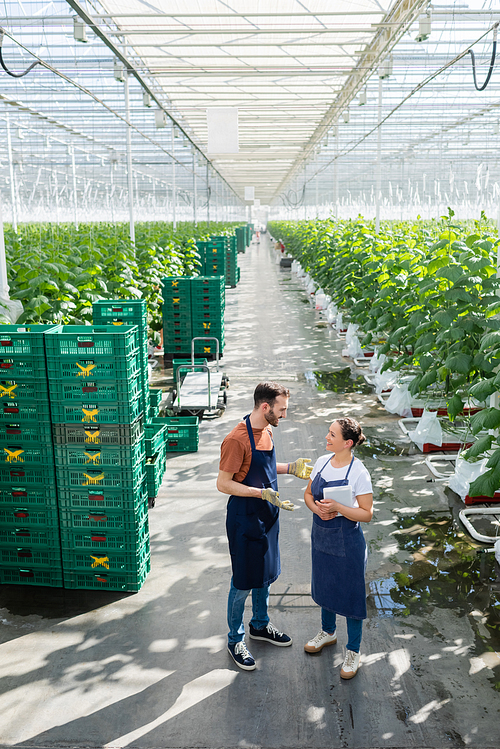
236 608
354 628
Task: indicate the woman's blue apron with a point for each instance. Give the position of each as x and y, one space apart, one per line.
252 525
338 558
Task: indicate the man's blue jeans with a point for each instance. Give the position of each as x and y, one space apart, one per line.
236 609
354 628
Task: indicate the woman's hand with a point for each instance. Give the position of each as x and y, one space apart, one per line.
326 509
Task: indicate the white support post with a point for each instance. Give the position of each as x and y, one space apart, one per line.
336 178
174 188
56 195
317 199
194 191
75 199
208 199
129 162
111 192
4 284
13 196
379 159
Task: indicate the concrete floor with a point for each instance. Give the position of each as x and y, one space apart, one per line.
86 669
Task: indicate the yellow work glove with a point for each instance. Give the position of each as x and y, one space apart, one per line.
300 468
271 496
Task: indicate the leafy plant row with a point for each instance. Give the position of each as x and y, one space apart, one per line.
428 294
58 271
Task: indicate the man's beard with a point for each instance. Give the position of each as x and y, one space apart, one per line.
272 419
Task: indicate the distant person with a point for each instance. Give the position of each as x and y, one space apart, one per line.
248 472
337 541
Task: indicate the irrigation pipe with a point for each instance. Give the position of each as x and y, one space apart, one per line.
403 101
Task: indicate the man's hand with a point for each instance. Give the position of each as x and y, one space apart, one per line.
271 496
300 468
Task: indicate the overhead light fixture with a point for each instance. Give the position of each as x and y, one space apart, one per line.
79 30
362 97
496 128
385 69
118 71
345 116
424 27
146 99
160 119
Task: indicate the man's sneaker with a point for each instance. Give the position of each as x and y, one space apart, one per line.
350 665
271 634
241 655
321 640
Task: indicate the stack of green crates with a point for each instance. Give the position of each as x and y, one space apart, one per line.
219 257
118 312
94 375
208 303
232 270
181 433
30 549
241 238
177 331
155 456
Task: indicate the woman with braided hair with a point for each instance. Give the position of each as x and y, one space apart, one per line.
337 542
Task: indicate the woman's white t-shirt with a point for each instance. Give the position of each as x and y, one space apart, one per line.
359 478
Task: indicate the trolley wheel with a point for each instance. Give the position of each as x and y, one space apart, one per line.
225 382
151 502
224 397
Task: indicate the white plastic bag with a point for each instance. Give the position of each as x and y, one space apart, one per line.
339 323
10 310
388 380
377 362
465 474
497 551
399 400
320 300
353 347
428 431
331 313
311 286
352 328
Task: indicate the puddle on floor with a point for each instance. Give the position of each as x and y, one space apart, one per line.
340 381
448 571
374 447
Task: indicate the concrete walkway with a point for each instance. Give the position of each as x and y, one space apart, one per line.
84 669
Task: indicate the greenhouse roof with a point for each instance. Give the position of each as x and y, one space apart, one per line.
311 83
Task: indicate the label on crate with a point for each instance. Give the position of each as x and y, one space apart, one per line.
100 562
6 363
89 387
13 455
93 457
8 390
85 368
92 436
92 479
10 407
89 413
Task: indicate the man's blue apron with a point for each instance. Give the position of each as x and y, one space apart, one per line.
252 525
338 558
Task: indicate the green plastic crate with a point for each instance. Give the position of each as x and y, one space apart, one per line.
24 413
102 520
131 581
16 474
92 341
155 470
96 413
110 369
155 436
182 433
36 556
155 396
29 496
19 340
134 311
176 363
108 477
98 434
47 536
209 348
21 515
51 577
25 434
208 328
93 390
103 500
23 391
127 456
105 540
26 455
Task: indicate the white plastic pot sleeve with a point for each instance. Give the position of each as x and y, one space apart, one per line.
339 324
351 331
399 400
428 431
353 347
465 474
388 380
331 313
377 362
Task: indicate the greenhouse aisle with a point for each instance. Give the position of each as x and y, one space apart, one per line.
85 669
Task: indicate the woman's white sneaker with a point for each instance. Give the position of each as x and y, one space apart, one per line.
350 665
321 640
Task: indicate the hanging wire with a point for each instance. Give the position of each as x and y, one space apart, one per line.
2 63
492 62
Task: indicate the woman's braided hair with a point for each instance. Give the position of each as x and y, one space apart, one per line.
351 430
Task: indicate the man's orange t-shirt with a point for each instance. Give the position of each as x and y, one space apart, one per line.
236 451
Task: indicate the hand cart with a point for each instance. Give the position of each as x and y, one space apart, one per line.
201 391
